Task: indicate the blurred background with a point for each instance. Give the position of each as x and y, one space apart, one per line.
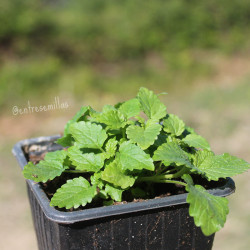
100 52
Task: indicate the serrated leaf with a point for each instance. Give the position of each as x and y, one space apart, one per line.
151 104
130 108
196 141
47 169
110 148
43 171
76 192
112 118
115 193
144 137
58 155
85 161
66 140
107 107
209 211
222 166
77 117
170 153
114 175
96 179
88 135
174 125
132 157
200 156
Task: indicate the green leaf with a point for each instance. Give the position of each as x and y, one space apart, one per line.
115 193
173 125
130 108
196 141
66 140
144 137
107 108
209 211
79 116
43 171
58 155
88 135
200 156
114 175
188 179
132 157
96 179
151 104
47 169
76 192
172 153
222 166
112 118
110 148
85 161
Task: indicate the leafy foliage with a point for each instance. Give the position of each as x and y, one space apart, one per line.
74 193
207 209
116 151
173 125
196 141
144 136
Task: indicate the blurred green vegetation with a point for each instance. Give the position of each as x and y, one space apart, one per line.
114 46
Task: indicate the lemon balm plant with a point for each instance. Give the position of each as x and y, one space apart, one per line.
115 152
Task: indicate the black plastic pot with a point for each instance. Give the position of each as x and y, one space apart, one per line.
162 223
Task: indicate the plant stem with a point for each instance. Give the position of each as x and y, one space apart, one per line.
159 180
101 149
123 133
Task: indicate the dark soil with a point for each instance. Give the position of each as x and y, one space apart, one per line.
36 153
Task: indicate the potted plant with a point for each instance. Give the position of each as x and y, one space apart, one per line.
130 177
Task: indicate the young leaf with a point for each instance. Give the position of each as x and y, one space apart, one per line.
196 141
200 156
79 116
43 171
112 118
58 155
132 157
173 125
172 153
115 193
76 192
96 179
209 211
85 161
114 175
66 140
107 108
144 137
130 108
111 148
222 166
151 104
47 169
88 135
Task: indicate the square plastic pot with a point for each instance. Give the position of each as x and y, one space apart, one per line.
162 223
